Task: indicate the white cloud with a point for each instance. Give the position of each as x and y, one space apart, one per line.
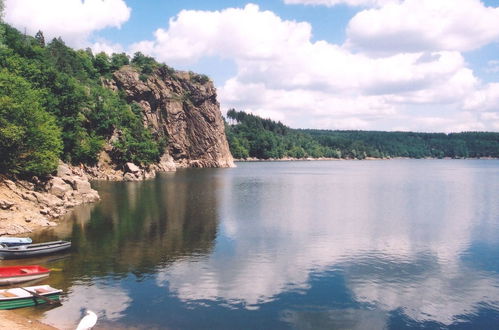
73 20
248 275
194 34
106 47
485 99
331 3
424 25
281 72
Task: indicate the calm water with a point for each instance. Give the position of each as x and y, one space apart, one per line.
294 245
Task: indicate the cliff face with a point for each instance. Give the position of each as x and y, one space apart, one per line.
182 107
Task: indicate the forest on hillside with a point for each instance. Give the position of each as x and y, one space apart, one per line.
53 106
253 136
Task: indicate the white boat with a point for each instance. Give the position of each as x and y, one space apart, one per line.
28 296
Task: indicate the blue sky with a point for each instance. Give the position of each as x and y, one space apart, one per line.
421 65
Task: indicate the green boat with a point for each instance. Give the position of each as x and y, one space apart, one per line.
28 296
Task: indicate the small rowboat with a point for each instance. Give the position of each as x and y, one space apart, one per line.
33 250
28 296
14 241
17 274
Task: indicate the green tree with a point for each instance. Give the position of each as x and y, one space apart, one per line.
119 60
102 63
30 141
40 38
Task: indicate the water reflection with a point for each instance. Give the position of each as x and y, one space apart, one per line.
397 234
135 229
354 245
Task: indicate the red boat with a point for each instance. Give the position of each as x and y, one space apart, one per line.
17 274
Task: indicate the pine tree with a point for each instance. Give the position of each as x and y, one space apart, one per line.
40 38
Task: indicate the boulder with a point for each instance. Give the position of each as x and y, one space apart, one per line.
90 197
63 170
129 177
82 186
59 188
132 168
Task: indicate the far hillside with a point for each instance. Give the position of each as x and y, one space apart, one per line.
256 137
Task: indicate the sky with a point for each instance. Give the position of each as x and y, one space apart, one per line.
406 65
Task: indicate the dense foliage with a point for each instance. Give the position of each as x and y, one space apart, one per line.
62 87
30 140
252 136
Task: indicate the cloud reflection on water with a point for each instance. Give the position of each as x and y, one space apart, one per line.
396 232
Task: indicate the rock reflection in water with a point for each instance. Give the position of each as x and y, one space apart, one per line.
136 228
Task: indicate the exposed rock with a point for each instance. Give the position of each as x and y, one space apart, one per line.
29 196
25 205
166 164
59 187
178 107
149 174
5 205
63 170
130 177
110 84
14 229
131 167
26 185
181 107
10 184
82 186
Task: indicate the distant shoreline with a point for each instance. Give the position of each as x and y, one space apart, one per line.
289 159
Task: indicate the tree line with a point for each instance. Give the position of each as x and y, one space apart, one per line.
252 136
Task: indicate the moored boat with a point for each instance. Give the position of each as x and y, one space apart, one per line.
18 274
28 296
33 250
15 241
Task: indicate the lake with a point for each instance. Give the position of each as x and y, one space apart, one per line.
388 244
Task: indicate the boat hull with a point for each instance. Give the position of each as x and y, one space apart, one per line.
33 250
21 279
19 298
28 302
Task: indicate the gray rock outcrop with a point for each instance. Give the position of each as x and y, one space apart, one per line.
181 107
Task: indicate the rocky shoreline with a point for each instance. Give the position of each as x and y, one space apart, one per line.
29 205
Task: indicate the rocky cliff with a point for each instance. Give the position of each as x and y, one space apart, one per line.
178 107
183 108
